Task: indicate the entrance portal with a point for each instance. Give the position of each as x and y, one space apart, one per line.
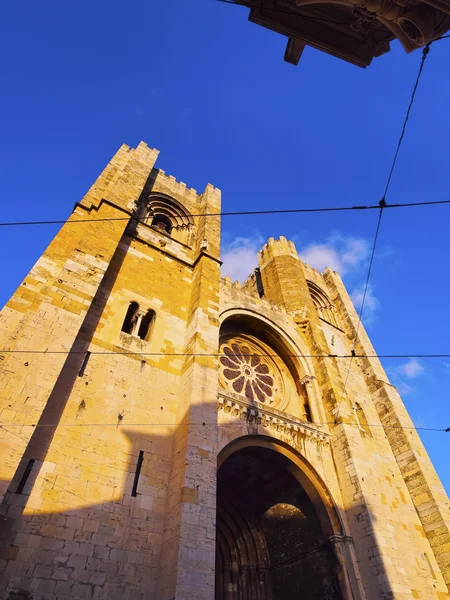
270 544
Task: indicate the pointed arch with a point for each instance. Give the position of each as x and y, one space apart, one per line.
323 304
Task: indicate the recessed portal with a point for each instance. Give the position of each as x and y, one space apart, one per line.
270 544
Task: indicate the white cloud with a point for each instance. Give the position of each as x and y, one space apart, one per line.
408 370
371 303
320 256
404 389
340 253
411 369
447 368
240 257
345 254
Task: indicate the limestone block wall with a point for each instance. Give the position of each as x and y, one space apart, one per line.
87 524
423 484
55 300
375 498
381 512
110 442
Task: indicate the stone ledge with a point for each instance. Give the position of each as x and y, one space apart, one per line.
256 414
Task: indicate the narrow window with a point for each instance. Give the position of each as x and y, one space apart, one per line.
137 473
307 412
163 223
259 283
433 574
84 365
25 476
362 421
131 318
146 325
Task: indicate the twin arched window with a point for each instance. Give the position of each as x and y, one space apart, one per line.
323 304
138 323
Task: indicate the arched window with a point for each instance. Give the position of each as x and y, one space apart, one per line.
137 323
307 412
167 215
145 329
130 318
362 421
323 304
163 223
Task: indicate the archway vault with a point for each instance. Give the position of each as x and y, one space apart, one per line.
275 524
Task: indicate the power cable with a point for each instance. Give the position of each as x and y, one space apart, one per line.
353 354
425 53
231 213
122 424
220 354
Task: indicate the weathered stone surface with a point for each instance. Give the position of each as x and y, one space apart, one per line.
109 460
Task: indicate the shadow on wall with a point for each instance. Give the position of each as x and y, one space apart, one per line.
268 531
270 544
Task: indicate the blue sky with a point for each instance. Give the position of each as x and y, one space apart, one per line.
211 91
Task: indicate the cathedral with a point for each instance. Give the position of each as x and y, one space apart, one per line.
169 434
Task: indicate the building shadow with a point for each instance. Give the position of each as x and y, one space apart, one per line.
269 541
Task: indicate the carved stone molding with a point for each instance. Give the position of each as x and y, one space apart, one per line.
337 539
307 379
270 417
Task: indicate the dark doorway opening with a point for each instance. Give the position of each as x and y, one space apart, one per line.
270 544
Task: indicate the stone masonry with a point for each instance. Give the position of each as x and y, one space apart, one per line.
131 371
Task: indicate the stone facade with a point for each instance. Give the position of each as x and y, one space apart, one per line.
136 383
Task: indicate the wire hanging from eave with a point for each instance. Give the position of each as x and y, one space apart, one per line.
425 53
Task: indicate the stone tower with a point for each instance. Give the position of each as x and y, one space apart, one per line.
169 434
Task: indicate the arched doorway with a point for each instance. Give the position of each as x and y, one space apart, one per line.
270 541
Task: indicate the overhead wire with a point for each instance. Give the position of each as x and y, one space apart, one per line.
366 287
236 213
120 423
381 206
382 203
425 53
219 354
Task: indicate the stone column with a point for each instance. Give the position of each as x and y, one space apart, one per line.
349 580
307 384
137 324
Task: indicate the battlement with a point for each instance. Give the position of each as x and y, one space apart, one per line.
315 273
169 185
177 187
250 283
237 287
273 247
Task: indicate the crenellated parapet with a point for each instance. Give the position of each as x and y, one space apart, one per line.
274 248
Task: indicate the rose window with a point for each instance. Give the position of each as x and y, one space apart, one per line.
247 373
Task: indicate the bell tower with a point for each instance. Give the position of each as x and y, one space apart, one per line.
109 385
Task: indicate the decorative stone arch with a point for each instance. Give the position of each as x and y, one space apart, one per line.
323 304
169 216
302 470
331 520
288 346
